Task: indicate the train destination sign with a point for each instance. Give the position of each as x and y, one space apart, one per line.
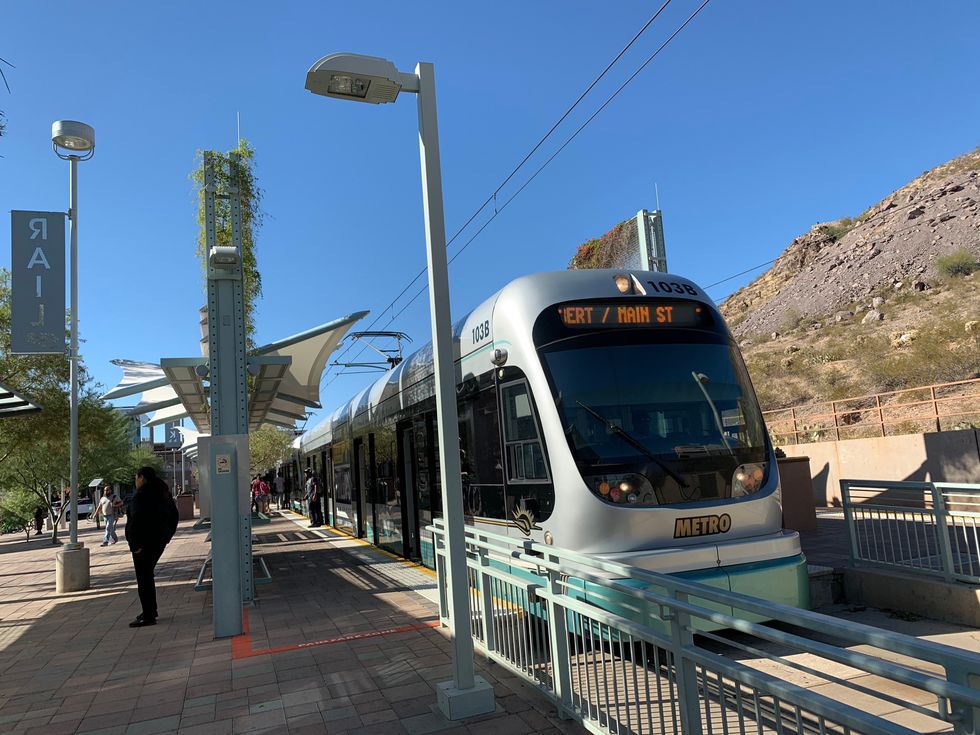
620 314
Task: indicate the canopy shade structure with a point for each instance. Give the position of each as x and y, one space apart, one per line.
309 352
138 377
188 444
286 380
12 404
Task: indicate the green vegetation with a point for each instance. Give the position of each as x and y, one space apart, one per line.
267 445
941 353
604 252
962 262
234 168
17 512
791 320
34 449
836 230
848 359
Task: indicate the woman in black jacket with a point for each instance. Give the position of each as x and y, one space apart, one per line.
151 521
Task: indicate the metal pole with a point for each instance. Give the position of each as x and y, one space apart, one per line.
445 379
73 355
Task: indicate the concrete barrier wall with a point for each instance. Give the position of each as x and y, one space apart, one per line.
947 456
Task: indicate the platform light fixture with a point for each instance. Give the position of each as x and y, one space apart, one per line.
376 80
359 78
78 139
73 136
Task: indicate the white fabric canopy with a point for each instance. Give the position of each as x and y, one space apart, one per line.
287 380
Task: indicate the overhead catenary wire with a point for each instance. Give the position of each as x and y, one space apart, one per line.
492 198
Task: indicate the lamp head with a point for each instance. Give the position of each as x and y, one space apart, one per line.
73 136
356 77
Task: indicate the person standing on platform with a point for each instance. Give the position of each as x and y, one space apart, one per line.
279 489
151 523
313 498
256 493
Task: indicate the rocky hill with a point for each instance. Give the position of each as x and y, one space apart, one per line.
895 243
884 301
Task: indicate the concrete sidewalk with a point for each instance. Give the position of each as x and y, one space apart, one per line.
344 639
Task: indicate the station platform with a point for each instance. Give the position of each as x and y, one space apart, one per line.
344 639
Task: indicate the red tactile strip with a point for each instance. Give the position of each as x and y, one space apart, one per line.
241 645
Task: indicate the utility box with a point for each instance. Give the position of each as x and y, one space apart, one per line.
796 486
185 507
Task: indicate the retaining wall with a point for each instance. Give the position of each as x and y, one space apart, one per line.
946 456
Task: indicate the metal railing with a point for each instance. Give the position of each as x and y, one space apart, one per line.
939 407
615 647
926 527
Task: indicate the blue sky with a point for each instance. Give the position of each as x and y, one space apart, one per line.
760 119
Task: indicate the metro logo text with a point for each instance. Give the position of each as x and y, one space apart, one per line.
702 525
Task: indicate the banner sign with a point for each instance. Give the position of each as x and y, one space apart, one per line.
37 283
172 438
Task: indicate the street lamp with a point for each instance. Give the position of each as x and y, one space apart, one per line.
374 80
78 140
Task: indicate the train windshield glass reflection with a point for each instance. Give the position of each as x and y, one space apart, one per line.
682 415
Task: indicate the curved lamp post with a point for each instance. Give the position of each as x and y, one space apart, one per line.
375 80
73 141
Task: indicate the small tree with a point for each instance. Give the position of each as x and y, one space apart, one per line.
267 446
138 457
17 508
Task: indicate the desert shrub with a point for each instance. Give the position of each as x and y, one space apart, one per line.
961 262
791 320
836 230
940 354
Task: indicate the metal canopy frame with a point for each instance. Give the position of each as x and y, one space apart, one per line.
182 372
270 372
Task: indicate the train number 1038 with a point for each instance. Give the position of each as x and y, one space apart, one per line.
481 332
672 287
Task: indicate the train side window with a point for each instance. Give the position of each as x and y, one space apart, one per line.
525 458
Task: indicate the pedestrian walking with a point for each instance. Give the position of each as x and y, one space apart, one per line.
110 508
313 498
151 523
38 520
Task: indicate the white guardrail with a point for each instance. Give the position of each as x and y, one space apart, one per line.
625 650
924 527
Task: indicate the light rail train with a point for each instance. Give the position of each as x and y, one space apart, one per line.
605 412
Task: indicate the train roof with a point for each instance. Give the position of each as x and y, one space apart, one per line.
534 292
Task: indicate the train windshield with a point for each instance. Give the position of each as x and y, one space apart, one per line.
655 418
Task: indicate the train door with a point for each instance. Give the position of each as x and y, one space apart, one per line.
343 488
428 483
409 491
360 487
327 485
371 493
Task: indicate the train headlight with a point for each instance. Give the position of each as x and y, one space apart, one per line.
630 489
623 283
748 478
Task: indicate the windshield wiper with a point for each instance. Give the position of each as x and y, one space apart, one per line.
701 379
633 442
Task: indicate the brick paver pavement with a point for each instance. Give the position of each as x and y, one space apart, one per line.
70 664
